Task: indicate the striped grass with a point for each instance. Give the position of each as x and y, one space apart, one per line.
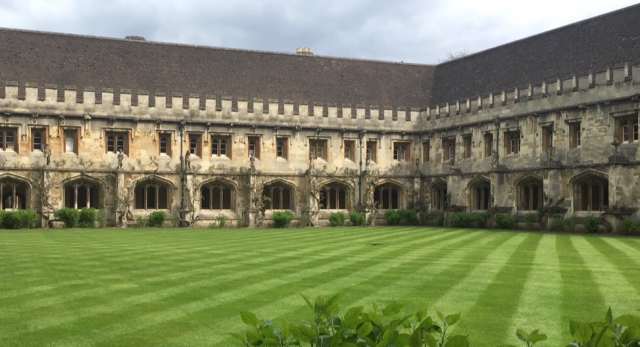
176 287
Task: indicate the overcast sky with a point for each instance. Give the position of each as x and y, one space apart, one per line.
417 31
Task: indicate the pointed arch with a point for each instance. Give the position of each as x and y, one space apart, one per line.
83 191
14 192
529 192
218 194
335 195
279 194
479 193
438 193
590 191
152 193
389 195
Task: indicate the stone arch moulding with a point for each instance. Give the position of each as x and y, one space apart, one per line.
217 197
590 191
12 196
529 192
479 192
394 198
333 199
161 179
281 199
76 196
585 174
222 180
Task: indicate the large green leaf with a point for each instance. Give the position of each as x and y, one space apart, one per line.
303 333
392 309
535 337
452 319
522 335
249 319
628 320
364 329
457 341
582 333
430 340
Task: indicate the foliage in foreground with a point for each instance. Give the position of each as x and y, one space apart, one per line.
389 327
282 219
68 216
355 328
336 219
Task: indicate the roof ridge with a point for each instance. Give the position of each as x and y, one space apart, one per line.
177 44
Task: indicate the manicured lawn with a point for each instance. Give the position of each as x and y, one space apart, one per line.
168 287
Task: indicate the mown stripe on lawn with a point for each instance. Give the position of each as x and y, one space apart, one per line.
503 294
186 260
169 283
286 288
540 304
126 307
582 299
619 286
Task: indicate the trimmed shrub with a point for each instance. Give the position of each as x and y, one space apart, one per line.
68 216
141 222
10 220
356 218
630 227
156 219
87 217
101 218
2 214
239 221
530 220
569 224
336 219
460 220
591 224
479 219
392 216
175 221
408 216
557 224
27 218
282 219
439 220
504 221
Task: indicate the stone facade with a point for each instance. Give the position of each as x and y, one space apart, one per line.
571 141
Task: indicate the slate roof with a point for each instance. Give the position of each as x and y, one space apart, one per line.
83 61
49 58
588 45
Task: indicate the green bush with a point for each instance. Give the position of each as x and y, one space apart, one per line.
336 219
356 218
87 217
2 214
408 216
10 221
28 218
175 221
141 222
239 221
156 219
68 216
282 219
504 221
569 224
591 224
222 220
392 216
460 220
530 220
557 224
101 218
479 219
630 227
439 219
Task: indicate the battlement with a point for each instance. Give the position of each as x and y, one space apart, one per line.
68 100
608 77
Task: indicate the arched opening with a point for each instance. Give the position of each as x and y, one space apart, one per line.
82 193
152 194
530 191
480 198
217 195
278 196
438 196
335 196
590 192
388 196
14 194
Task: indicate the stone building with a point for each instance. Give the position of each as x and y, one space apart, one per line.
132 126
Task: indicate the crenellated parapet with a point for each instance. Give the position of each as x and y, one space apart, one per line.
562 92
143 105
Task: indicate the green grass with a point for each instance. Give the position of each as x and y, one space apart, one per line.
179 287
